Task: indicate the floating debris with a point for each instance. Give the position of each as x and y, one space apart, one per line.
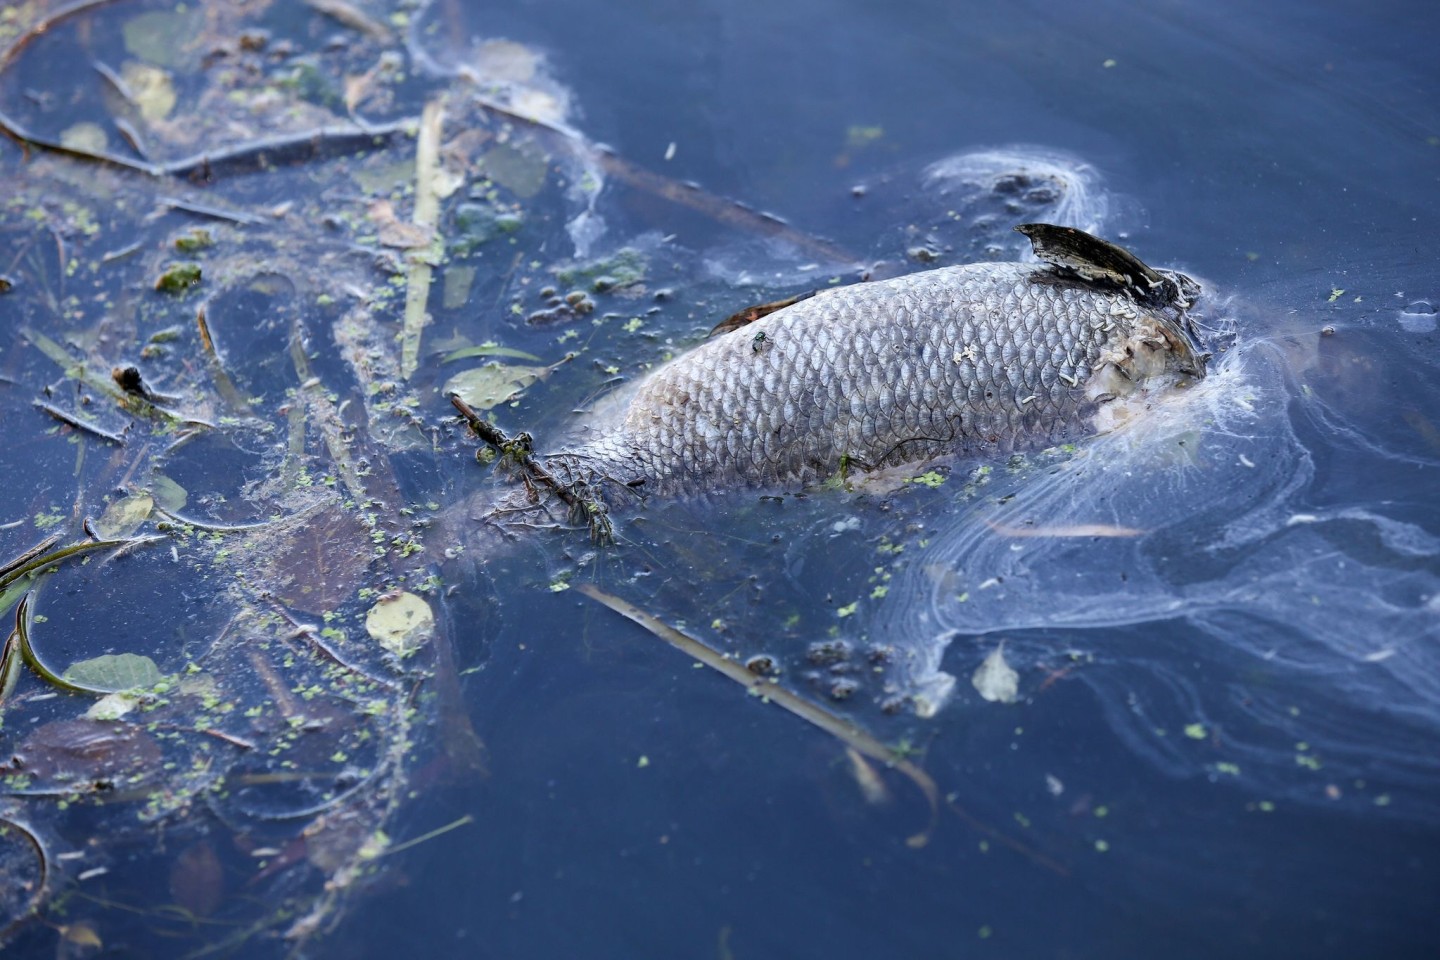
402 623
995 680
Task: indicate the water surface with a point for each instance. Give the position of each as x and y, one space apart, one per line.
1225 739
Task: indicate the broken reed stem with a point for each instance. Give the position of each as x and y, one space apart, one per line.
426 215
16 569
846 732
223 384
693 197
39 550
73 421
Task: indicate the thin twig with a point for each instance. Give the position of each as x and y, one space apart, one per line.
431 835
115 80
209 210
41 548
223 384
719 209
125 251
78 424
15 571
863 743
354 18
687 195
519 452
312 634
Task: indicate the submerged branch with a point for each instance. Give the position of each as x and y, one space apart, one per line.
846 732
73 421
223 384
519 453
688 195
18 568
21 636
724 211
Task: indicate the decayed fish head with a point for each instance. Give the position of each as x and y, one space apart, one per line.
1158 308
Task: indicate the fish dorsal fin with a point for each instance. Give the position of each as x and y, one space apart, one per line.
1099 261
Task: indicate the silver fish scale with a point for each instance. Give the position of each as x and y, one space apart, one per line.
975 359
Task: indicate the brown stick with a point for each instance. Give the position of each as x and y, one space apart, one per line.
717 208
519 452
843 730
78 424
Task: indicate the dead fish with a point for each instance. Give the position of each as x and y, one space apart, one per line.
973 360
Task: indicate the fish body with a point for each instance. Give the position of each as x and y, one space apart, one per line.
978 359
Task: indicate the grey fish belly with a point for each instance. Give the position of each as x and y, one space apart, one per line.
974 359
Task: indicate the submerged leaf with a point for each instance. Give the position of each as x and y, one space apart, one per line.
197 880
458 279
85 136
520 170
996 680
115 672
493 384
167 492
314 561
488 350
124 516
112 706
162 37
81 934
401 623
152 88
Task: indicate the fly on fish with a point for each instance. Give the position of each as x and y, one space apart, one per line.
974 360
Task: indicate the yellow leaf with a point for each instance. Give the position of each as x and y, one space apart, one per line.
493 384
401 623
81 934
124 516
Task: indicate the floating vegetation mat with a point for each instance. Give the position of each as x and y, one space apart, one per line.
249 253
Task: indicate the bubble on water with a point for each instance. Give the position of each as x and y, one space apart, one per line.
1067 187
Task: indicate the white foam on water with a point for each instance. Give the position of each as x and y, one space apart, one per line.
1240 601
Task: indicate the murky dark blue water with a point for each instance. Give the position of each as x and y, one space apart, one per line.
1281 155
1228 734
